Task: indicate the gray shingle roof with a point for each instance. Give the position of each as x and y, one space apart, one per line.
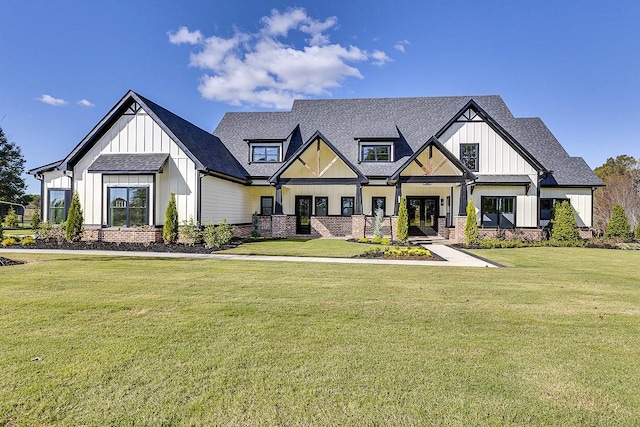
503 179
412 121
129 163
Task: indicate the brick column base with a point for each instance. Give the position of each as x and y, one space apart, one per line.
357 226
278 225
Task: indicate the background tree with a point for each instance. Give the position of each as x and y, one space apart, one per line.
170 227
403 221
73 225
622 178
12 185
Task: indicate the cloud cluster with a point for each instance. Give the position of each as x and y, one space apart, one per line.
260 69
59 102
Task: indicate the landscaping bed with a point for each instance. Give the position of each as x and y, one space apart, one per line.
113 246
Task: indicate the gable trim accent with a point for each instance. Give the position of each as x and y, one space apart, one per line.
497 128
275 178
433 142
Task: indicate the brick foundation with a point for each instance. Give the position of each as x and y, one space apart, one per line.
123 235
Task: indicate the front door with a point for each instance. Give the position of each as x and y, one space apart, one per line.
423 215
303 214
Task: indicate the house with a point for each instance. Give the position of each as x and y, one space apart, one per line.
322 169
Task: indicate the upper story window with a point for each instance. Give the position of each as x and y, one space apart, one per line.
265 153
375 152
470 156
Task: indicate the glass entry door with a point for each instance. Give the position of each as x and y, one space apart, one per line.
303 214
423 215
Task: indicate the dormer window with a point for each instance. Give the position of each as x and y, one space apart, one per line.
265 153
376 152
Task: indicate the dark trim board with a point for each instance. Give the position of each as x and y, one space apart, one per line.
432 179
318 181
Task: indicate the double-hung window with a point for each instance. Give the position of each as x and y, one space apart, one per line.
375 152
266 205
265 153
58 205
128 206
469 156
378 204
347 206
498 211
322 206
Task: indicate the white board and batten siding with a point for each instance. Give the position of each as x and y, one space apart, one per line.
133 134
580 199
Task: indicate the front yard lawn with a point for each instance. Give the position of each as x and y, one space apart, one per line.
552 340
332 248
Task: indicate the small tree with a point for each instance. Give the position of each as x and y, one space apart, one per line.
73 225
403 222
377 228
471 233
35 221
11 220
618 226
564 225
255 230
170 227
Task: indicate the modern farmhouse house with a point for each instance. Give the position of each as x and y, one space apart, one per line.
322 169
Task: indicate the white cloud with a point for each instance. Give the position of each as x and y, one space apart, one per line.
86 103
260 69
183 35
400 46
48 99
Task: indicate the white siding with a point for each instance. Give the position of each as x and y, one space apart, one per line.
52 180
580 199
387 191
333 192
223 199
139 134
496 156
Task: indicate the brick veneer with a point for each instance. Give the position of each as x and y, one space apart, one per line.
124 235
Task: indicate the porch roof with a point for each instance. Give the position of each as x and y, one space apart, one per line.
129 163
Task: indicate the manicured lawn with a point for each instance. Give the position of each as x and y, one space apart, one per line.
332 248
552 340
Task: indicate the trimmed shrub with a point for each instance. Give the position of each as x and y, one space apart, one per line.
35 221
11 220
471 233
9 241
618 226
563 223
190 233
73 225
48 231
403 221
170 227
27 241
215 236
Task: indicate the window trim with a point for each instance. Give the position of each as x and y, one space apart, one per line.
147 209
366 144
265 145
353 203
262 207
315 205
477 156
67 203
499 211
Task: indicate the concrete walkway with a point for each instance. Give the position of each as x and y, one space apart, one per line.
452 257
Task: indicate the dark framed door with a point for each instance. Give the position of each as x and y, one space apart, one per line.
303 214
423 215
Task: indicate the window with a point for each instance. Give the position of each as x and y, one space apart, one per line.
546 208
376 153
58 205
347 206
128 206
322 206
498 212
378 203
265 153
469 156
266 205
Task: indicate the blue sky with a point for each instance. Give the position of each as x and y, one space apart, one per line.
64 64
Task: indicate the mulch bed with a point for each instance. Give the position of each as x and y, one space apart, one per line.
6 262
111 246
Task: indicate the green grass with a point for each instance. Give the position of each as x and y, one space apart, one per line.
551 340
332 248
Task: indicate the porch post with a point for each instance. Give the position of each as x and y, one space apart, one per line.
462 209
357 209
278 199
396 205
